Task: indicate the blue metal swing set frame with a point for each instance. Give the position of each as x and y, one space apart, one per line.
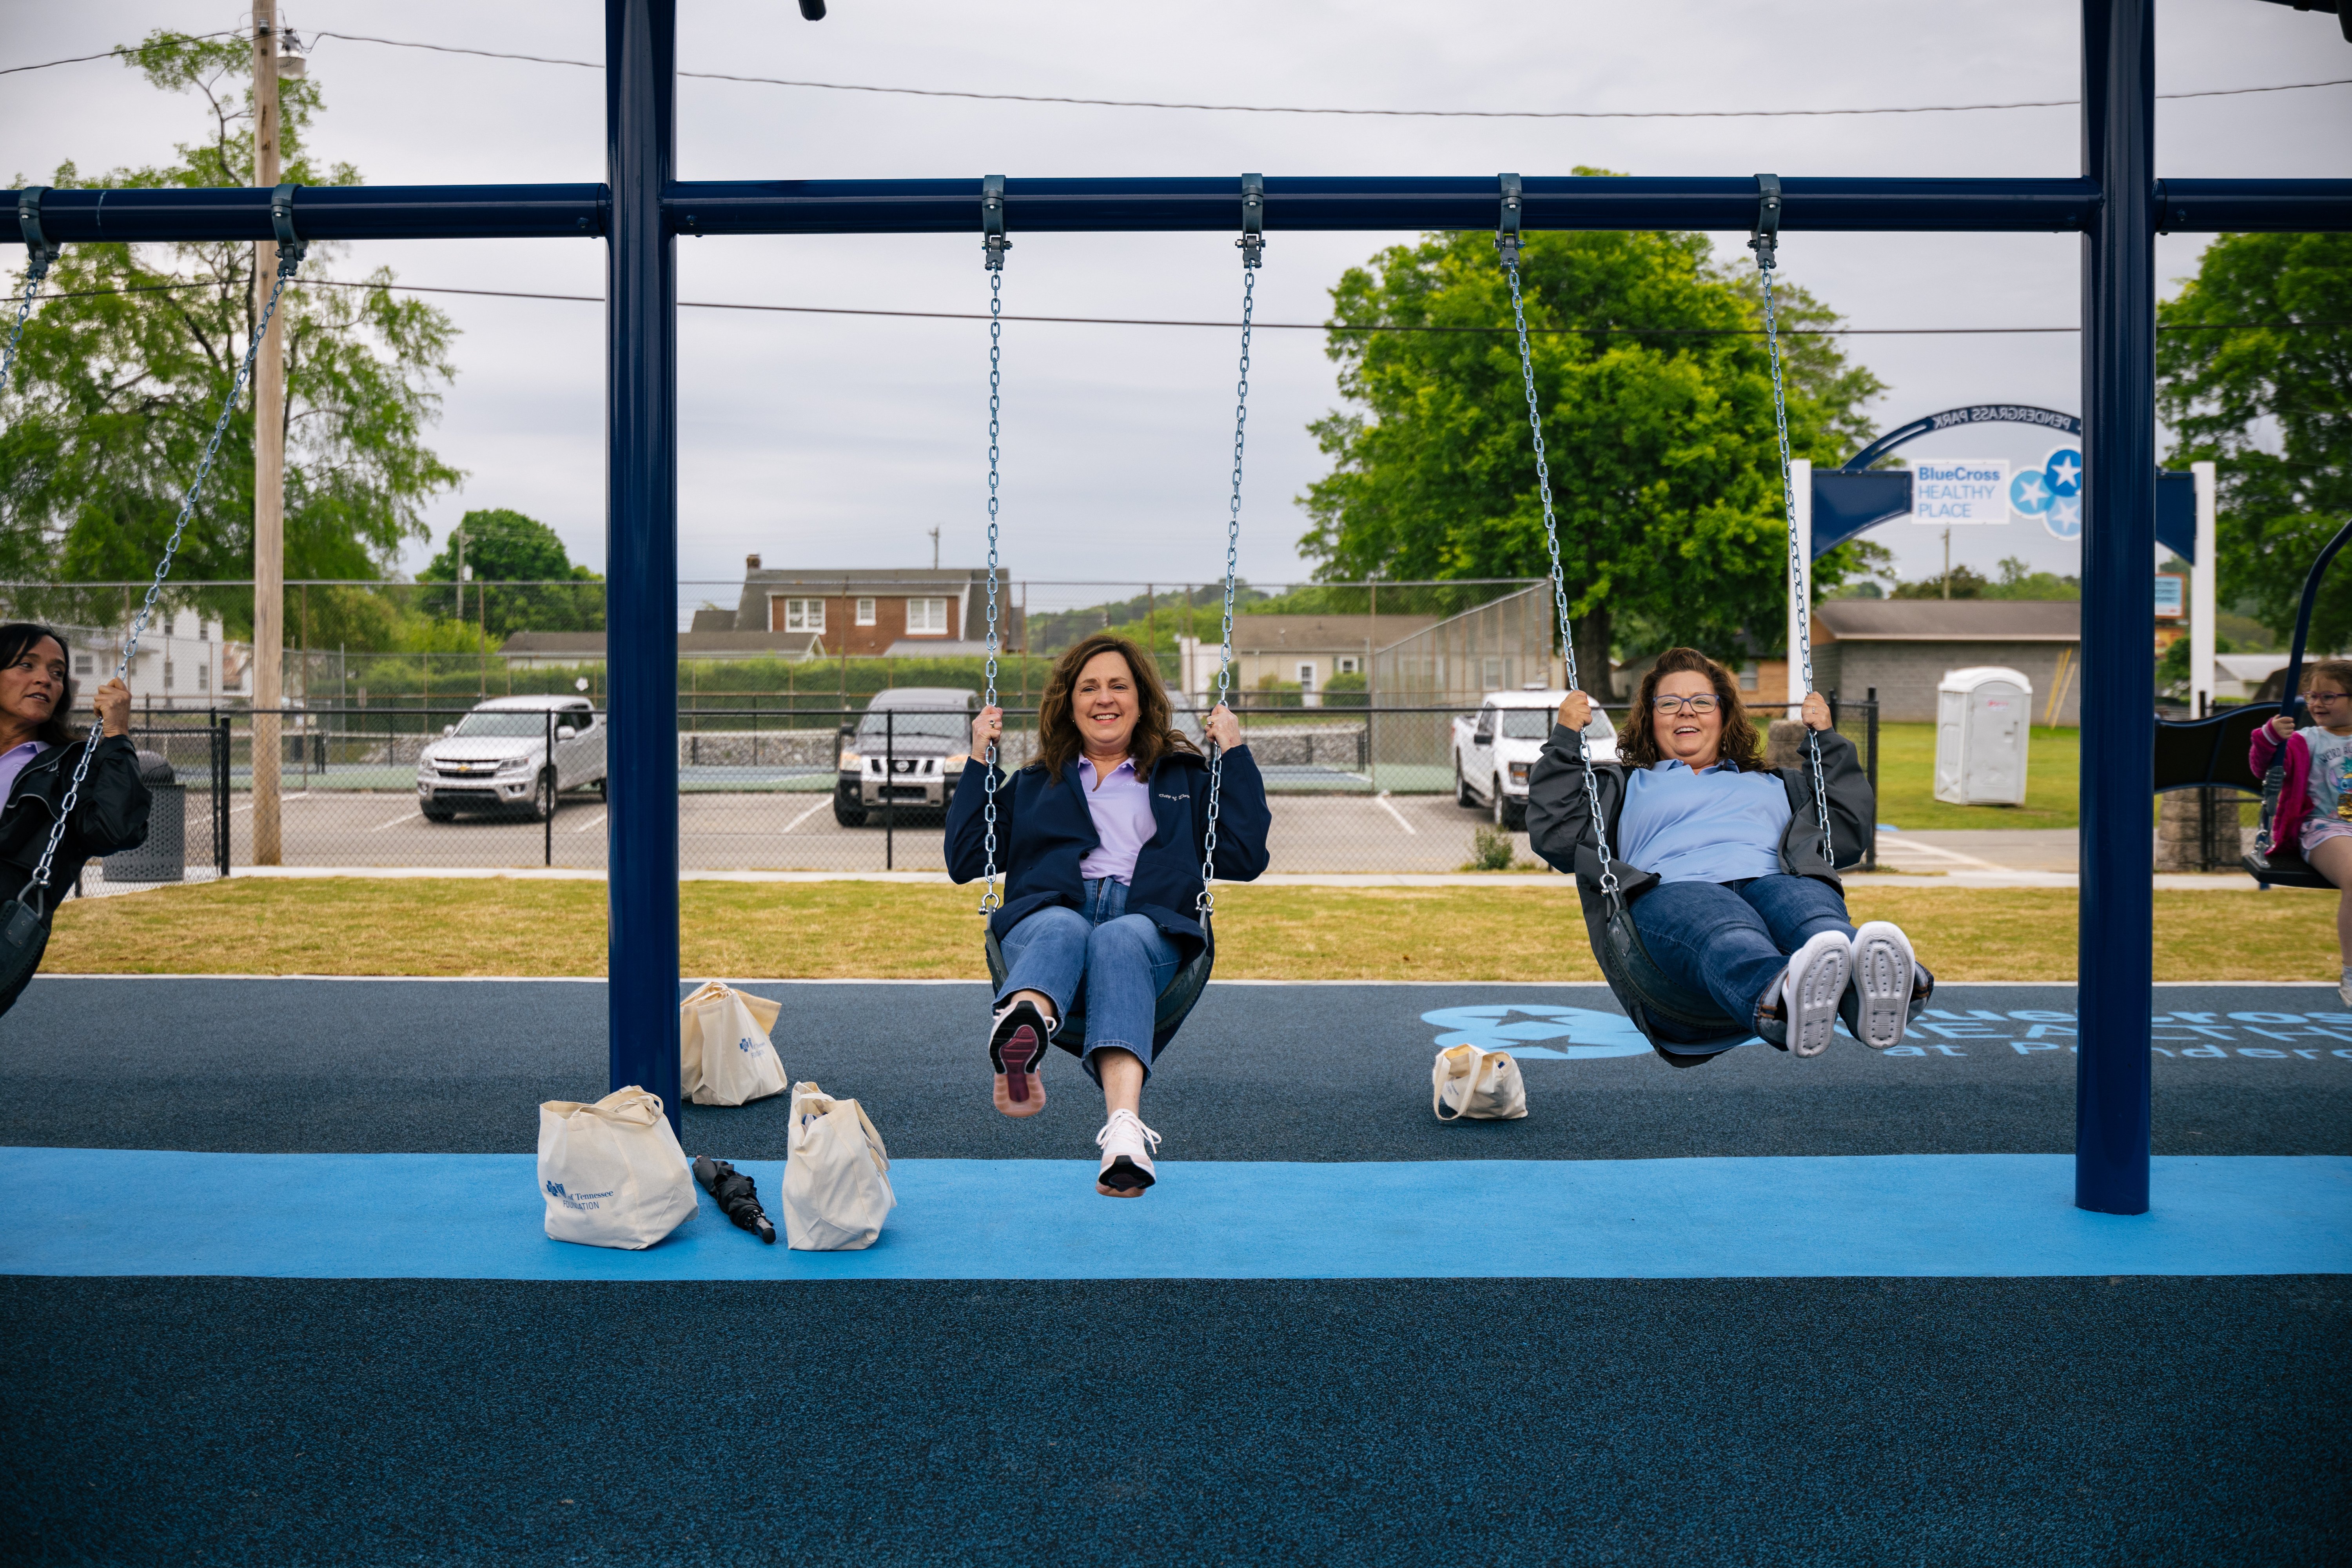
2117 205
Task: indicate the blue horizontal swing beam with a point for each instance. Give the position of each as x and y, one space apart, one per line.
1210 205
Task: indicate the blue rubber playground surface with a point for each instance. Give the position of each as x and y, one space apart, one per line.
276 1290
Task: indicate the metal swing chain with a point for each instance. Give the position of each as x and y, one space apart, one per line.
38 886
1207 905
33 275
1799 576
1609 884
991 898
40 251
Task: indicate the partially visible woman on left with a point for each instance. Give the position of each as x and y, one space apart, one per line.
39 753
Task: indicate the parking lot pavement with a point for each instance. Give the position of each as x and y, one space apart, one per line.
796 832
1980 849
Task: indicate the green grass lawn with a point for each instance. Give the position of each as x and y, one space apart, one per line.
1907 783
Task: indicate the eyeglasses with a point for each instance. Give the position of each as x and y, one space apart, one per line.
1673 706
2325 696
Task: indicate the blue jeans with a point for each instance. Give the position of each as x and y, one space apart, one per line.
1122 959
1730 941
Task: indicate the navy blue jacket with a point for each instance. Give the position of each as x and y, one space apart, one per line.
1043 829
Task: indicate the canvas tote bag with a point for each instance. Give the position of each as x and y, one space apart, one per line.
725 1056
836 1174
612 1173
1481 1084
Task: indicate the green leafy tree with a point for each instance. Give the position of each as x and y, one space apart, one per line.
126 362
2254 374
504 546
1664 471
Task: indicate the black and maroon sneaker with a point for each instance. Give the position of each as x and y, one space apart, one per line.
1016 1050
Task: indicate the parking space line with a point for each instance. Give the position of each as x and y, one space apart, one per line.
395 822
594 822
298 795
1383 798
805 816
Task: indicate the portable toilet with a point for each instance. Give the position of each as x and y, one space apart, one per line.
1982 719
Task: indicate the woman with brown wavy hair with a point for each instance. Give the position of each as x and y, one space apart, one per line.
1721 858
1101 841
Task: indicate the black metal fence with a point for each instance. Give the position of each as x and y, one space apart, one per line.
777 790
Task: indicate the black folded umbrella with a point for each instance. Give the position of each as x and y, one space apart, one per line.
739 1197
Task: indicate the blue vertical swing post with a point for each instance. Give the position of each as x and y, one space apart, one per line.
641 546
2116 908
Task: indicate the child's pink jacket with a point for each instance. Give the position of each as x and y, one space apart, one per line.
2294 794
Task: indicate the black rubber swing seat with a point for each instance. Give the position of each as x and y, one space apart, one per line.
1650 996
1177 999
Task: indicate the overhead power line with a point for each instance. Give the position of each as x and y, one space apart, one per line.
118 52
1221 326
1262 108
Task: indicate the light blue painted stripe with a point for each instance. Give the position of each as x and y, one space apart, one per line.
480 1217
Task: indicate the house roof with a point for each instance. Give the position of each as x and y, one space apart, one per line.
762 582
1949 620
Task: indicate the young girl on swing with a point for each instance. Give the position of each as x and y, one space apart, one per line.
2314 816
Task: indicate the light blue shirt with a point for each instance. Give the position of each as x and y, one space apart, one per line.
1719 825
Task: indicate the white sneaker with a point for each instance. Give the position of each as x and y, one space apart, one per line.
1812 990
1883 972
2344 986
1126 1145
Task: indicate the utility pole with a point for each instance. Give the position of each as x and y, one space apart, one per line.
268 463
1948 564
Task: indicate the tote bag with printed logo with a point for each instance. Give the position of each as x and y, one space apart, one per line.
725 1056
611 1174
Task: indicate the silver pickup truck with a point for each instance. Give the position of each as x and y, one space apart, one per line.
907 750
496 758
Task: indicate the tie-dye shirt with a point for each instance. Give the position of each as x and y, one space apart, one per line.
2331 775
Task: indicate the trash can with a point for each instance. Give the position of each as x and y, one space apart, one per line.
164 857
1982 724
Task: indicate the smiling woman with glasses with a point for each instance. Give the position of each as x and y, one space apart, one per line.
2314 804
1722 861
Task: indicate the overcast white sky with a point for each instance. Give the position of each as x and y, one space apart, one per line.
839 442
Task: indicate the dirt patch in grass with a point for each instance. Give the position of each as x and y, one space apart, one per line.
894 930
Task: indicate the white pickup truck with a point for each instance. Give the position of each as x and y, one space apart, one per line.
1495 748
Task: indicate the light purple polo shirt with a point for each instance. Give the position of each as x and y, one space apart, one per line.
13 762
1121 808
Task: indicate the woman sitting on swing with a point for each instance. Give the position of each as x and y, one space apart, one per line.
1727 879
1101 839
39 748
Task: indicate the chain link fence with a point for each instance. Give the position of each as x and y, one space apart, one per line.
759 789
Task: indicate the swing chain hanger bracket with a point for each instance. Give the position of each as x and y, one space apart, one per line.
1765 240
40 249
1253 239
992 221
1507 228
291 246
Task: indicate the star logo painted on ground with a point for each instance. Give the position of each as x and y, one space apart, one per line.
1576 1034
